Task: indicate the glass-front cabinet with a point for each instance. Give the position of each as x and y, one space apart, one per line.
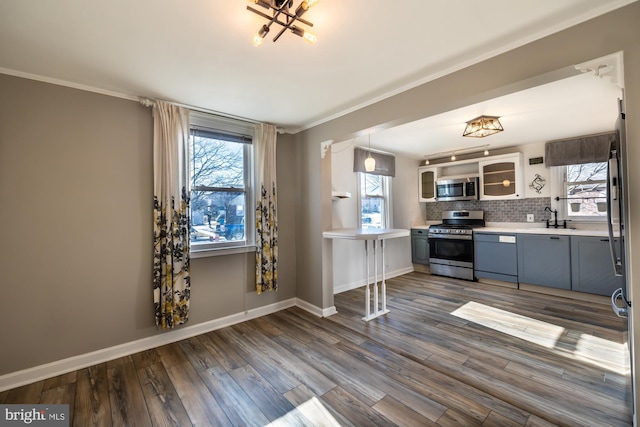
501 177
427 184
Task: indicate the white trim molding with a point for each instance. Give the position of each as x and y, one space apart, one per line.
610 67
59 367
316 311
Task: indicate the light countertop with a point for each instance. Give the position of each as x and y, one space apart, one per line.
514 228
365 233
543 230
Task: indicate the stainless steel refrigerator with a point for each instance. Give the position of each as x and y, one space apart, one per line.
620 301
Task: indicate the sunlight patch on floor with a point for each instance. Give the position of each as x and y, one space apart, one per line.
587 348
310 413
526 328
604 353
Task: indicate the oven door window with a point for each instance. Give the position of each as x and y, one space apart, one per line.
450 190
451 249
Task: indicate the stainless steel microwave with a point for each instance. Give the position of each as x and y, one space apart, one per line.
458 188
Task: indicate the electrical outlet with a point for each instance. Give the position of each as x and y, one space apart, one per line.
529 217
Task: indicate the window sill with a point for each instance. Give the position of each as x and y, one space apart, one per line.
211 252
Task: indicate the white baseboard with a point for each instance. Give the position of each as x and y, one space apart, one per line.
353 285
59 367
316 311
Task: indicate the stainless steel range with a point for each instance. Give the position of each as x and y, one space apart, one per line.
451 244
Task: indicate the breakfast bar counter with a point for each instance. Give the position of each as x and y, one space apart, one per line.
374 235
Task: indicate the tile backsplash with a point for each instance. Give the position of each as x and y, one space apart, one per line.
495 210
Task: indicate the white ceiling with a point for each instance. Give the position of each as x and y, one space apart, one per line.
581 105
199 53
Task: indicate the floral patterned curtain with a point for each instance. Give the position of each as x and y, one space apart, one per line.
171 280
266 209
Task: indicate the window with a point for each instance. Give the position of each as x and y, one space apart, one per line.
585 188
374 201
221 159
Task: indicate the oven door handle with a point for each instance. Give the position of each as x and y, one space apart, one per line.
450 237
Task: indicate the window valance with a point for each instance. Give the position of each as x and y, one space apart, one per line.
222 136
385 163
582 149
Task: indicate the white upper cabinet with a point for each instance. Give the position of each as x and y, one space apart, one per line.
501 177
427 183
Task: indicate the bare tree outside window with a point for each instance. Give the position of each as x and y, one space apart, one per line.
586 189
218 190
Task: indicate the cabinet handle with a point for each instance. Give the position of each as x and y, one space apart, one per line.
604 240
554 238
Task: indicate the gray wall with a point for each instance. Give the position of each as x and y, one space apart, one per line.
75 185
76 189
613 32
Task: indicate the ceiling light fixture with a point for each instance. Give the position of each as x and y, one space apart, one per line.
370 162
482 126
280 9
486 150
453 156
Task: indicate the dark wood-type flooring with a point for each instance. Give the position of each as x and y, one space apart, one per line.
449 353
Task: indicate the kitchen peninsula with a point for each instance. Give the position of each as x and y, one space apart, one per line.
374 235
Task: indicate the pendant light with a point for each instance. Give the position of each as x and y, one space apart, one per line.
369 162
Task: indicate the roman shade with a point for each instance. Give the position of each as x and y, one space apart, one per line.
385 163
221 136
582 149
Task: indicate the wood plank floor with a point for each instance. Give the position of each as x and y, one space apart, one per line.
449 353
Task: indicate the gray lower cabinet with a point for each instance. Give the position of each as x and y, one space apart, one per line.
419 246
544 260
591 269
495 256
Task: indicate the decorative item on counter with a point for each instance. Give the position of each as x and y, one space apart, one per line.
538 183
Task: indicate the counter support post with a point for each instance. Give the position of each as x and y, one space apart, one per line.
367 292
375 279
384 285
377 309
379 302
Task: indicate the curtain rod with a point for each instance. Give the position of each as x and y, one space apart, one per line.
147 102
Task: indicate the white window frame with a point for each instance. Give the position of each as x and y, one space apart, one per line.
387 215
559 188
231 126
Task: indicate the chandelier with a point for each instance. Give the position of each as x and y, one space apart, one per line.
283 17
482 126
